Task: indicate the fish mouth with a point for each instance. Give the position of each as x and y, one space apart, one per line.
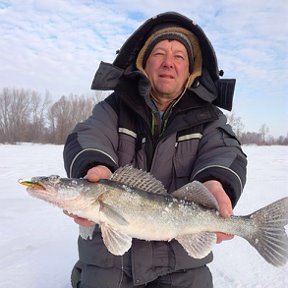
32 185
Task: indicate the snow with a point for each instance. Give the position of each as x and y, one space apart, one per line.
38 243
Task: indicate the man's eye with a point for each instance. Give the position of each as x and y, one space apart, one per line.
179 57
158 53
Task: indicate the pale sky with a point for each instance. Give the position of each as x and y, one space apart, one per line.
56 45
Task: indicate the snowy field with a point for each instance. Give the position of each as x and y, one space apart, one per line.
38 243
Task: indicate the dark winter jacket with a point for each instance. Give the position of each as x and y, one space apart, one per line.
192 142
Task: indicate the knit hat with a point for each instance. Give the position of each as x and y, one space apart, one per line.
186 37
172 35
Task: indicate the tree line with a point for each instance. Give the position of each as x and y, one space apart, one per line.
27 116
262 137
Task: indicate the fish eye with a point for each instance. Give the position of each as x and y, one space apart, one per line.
54 178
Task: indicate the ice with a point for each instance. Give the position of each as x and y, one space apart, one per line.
38 243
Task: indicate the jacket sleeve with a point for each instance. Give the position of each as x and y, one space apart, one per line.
92 142
221 158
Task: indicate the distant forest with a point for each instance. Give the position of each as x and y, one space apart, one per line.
26 116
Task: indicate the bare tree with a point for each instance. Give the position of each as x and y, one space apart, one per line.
36 127
66 113
14 114
4 115
22 115
59 118
264 130
236 123
251 138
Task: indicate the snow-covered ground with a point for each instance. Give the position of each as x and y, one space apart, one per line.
38 243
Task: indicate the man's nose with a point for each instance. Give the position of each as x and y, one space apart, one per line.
168 61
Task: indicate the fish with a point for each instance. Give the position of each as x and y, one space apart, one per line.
133 204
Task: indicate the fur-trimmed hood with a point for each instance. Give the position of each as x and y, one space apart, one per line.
207 86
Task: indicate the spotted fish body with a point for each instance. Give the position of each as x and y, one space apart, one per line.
133 204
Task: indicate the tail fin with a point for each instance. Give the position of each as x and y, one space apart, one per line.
270 239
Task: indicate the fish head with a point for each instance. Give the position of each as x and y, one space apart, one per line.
65 193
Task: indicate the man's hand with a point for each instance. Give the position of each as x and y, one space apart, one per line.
98 172
93 175
225 206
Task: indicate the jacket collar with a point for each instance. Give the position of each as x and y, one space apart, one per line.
111 77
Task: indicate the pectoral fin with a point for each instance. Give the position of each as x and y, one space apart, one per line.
112 215
198 245
116 242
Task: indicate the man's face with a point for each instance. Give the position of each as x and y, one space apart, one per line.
167 67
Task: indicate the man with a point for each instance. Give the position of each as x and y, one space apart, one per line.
162 118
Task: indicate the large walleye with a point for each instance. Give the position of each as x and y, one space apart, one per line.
133 204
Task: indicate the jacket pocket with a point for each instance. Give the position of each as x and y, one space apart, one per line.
184 157
97 277
131 149
126 147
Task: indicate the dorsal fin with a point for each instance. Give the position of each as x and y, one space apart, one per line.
139 179
196 192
